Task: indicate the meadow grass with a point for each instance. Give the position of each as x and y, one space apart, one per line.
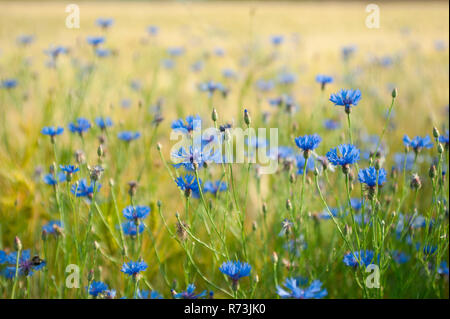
284 225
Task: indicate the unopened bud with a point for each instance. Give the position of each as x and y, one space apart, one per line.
394 93
416 182
158 146
435 132
440 149
247 118
432 172
17 243
214 115
100 150
288 204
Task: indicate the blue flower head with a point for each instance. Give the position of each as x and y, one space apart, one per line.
80 126
104 23
27 264
346 98
52 227
96 288
103 122
152 30
443 269
69 169
344 154
9 83
129 228
265 86
369 176
133 268
235 270
300 162
51 179
215 187
331 124
52 131
417 143
95 41
400 257
82 189
314 291
308 142
189 293
128 136
136 212
444 138
276 39
187 126
364 257
2 257
189 185
324 80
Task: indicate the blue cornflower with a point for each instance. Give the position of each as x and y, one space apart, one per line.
276 39
324 80
356 203
286 78
229 73
400 257
136 212
52 227
103 122
27 265
2 257
51 179
417 143
215 187
175 51
189 293
133 268
211 87
189 185
80 126
235 270
343 155
265 86
368 176
9 83
365 257
25 39
197 66
331 124
348 51
128 136
285 152
102 52
314 291
443 268
403 160
427 249
104 22
168 63
82 189
326 215
444 138
129 228
300 162
152 30
55 51
188 125
52 131
95 41
69 169
145 294
195 156
346 98
96 288
308 143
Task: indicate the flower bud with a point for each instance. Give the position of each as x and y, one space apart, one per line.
158 146
100 150
416 182
440 149
394 93
17 243
435 132
288 204
214 115
432 172
247 118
